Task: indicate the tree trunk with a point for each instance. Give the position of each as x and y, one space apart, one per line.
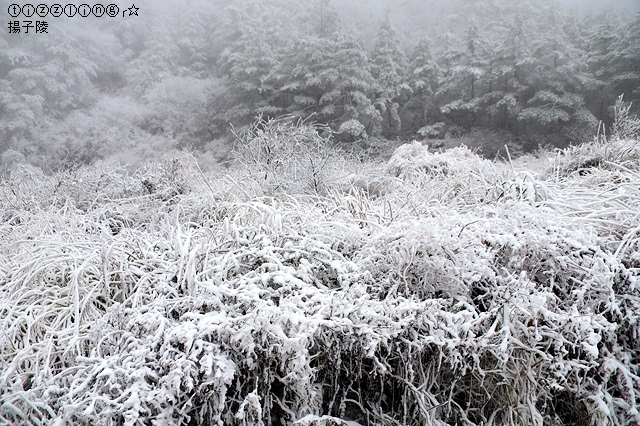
473 82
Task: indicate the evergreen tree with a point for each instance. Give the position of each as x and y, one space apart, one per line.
323 18
159 57
420 109
554 77
304 78
624 63
603 35
461 87
327 77
246 63
357 114
505 52
45 78
389 66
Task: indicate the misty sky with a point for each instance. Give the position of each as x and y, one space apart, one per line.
633 5
596 4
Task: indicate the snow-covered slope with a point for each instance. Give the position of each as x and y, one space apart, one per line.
459 291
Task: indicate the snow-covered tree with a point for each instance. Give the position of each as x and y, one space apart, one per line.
327 77
623 64
246 63
389 69
460 89
323 18
424 77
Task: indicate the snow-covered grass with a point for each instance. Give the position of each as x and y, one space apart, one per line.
436 289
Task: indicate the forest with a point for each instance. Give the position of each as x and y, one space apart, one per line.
311 213
183 74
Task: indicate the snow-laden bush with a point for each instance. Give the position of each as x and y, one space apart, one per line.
625 125
620 150
434 131
198 300
459 176
288 155
353 130
602 154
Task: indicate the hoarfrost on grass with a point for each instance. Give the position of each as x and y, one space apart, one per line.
468 292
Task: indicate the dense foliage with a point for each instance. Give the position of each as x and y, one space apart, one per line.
183 71
435 289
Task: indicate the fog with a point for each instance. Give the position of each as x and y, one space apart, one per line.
624 6
184 73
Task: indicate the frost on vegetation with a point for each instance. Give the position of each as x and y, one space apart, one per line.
353 128
288 155
11 157
621 150
433 131
625 125
600 182
169 296
460 176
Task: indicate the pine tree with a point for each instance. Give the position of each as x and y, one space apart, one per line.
460 90
355 85
389 67
624 63
598 43
554 76
322 18
329 78
420 109
304 77
247 62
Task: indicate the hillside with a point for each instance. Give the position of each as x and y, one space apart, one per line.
437 289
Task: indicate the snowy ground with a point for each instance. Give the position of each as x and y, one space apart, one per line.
434 289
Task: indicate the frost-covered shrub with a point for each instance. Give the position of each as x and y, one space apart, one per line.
352 130
11 157
216 304
601 154
374 185
513 261
170 176
285 155
621 150
521 186
434 131
367 177
456 176
178 109
413 158
625 125
112 129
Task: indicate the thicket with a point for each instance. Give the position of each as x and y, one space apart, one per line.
439 288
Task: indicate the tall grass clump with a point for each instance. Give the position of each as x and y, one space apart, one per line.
439 289
288 154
